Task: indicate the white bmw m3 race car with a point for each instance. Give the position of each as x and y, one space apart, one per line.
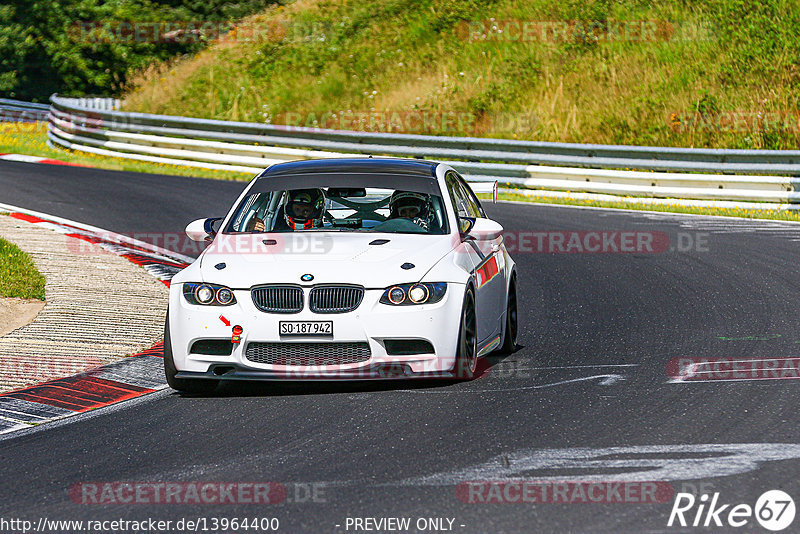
345 269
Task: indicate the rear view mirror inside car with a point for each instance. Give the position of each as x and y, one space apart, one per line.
347 192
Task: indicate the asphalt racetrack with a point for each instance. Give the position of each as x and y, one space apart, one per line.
593 395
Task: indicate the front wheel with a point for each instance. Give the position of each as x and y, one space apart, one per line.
467 356
510 335
186 385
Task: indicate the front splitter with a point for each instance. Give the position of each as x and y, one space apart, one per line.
394 371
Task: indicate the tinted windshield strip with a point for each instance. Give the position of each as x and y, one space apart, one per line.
417 184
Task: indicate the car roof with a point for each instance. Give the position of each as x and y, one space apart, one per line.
407 167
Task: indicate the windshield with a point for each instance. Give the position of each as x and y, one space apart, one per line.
345 209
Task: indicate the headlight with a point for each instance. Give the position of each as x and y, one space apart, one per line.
418 294
204 294
396 295
411 294
208 294
225 296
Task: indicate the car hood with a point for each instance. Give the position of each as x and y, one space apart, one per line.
372 260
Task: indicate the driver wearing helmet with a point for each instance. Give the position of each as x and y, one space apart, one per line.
416 207
303 209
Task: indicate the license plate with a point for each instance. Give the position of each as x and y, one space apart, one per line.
305 328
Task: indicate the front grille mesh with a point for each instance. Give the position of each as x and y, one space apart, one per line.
308 354
335 299
278 299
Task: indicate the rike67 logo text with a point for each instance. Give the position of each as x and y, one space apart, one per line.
774 510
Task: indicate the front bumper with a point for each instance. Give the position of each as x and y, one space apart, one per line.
372 323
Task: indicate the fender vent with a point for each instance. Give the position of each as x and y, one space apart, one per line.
407 347
212 347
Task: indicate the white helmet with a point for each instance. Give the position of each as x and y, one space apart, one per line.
310 203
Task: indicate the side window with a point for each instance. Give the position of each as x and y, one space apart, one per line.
256 213
472 203
457 195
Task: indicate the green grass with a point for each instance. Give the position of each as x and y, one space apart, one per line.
18 275
700 67
31 139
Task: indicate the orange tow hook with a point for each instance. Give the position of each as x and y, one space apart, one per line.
237 334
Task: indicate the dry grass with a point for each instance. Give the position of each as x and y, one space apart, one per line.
399 55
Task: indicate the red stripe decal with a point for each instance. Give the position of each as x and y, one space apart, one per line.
487 271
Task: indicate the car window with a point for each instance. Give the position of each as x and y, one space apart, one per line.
340 209
473 205
457 195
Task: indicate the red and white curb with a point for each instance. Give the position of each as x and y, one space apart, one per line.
124 379
158 261
36 159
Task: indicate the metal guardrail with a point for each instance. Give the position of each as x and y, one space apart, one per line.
464 148
97 103
18 111
95 125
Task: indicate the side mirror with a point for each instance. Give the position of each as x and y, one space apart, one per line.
465 224
484 229
202 229
485 188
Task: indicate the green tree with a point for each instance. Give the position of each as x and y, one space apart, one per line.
81 47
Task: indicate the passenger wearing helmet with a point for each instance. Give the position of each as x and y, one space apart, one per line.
415 207
303 209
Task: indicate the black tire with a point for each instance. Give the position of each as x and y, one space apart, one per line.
186 385
467 353
511 328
